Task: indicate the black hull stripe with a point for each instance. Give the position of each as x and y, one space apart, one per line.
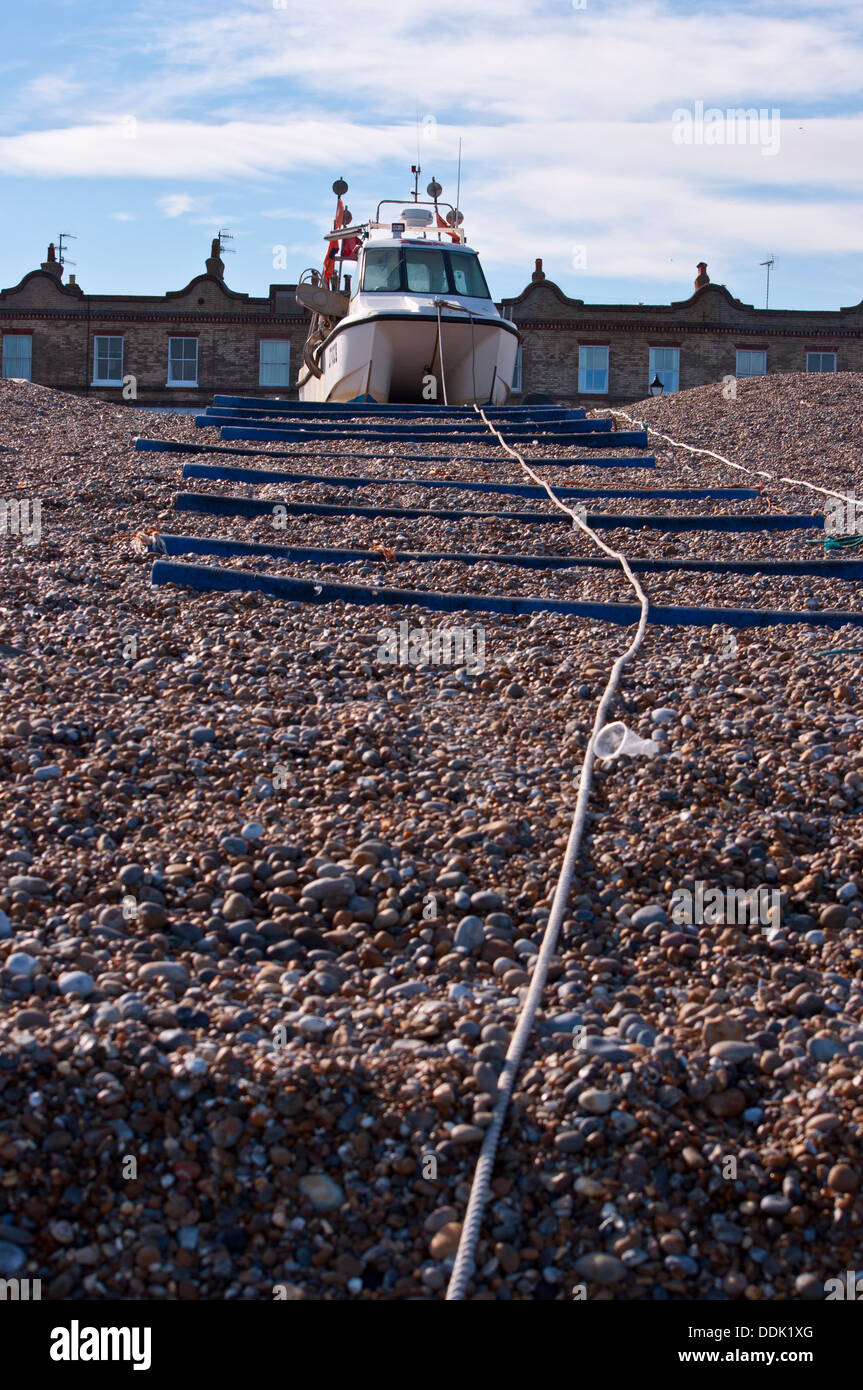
431 319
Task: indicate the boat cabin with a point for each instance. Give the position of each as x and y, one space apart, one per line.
408 268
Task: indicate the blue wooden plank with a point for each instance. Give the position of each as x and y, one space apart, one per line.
171 446
214 577
619 439
265 475
600 521
220 545
211 418
401 417
337 408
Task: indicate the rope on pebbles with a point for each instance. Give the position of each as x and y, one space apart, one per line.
741 467
464 1263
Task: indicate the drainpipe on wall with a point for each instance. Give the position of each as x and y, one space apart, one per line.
87 353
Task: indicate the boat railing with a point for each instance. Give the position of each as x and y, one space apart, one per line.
451 229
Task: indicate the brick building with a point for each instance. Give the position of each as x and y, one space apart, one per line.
589 353
172 349
182 347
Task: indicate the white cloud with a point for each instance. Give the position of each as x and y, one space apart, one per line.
517 59
52 90
566 118
175 204
623 190
814 153
123 216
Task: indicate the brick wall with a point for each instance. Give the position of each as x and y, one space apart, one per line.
229 327
708 328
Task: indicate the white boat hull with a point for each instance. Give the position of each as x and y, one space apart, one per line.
393 358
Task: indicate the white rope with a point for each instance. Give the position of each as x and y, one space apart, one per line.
464 1264
753 472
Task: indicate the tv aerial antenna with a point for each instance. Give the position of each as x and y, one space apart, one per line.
61 249
769 263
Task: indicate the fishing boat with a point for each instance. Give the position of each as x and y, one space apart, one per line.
401 311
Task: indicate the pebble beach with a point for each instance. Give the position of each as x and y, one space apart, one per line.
269 904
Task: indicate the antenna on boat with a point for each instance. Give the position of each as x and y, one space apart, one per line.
458 185
416 171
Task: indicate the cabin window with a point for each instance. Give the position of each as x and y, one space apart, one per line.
593 370
821 361
182 361
393 270
275 362
18 355
751 363
426 272
467 276
665 363
382 269
107 361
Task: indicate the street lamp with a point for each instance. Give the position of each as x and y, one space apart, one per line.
656 386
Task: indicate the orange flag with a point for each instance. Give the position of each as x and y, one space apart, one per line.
332 250
442 222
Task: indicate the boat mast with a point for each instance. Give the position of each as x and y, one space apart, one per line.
458 186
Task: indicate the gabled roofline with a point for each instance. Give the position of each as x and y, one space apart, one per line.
198 280
77 292
72 291
675 306
546 285
646 308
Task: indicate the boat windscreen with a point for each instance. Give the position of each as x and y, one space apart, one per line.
415 270
426 272
382 269
467 275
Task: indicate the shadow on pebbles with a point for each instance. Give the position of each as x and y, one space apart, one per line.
268 906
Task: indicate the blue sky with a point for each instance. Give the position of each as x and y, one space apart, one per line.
144 128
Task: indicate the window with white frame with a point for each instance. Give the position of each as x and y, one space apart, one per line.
275 362
517 370
821 361
593 370
182 361
751 362
107 361
664 363
18 355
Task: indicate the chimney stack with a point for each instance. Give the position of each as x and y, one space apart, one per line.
539 274
52 265
214 263
702 278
